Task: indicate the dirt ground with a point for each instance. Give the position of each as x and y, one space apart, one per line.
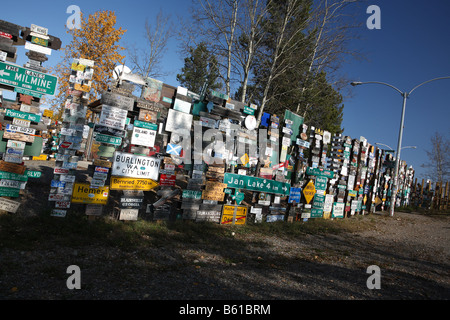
411 250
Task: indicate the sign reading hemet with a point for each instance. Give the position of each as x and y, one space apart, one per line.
27 81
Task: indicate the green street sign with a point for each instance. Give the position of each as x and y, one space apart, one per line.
34 174
27 79
192 194
145 125
316 213
249 111
22 115
13 176
236 181
9 192
319 172
108 139
39 41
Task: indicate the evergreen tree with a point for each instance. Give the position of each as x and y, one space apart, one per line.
199 68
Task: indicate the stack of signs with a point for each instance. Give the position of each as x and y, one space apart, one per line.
30 84
133 172
71 135
9 33
303 144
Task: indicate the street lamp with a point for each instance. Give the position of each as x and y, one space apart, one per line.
405 95
407 147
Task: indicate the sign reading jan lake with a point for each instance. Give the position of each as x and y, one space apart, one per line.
27 79
134 166
256 184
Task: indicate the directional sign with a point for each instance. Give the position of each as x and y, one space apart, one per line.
27 79
256 184
309 191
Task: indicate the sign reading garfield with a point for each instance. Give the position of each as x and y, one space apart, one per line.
82 193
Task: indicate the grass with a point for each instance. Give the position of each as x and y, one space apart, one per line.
77 231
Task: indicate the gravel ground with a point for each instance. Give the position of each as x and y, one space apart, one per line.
411 250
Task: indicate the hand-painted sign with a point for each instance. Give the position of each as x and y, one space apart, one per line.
9 205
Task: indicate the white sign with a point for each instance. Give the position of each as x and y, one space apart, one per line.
37 48
134 166
9 205
13 128
3 55
338 209
21 122
38 29
16 144
113 117
10 184
143 137
129 214
328 204
177 120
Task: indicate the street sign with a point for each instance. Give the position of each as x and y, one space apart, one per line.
22 78
108 139
309 191
236 215
82 193
22 115
120 183
256 184
133 166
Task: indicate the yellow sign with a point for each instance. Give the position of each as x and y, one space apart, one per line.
120 183
82 193
309 191
42 157
228 215
245 159
48 113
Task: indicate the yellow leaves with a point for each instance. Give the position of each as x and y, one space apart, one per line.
96 40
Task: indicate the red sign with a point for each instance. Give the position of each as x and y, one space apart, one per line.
5 35
60 171
167 180
65 144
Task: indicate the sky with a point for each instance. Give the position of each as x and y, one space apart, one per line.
411 47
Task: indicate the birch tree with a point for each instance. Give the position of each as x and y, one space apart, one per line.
146 61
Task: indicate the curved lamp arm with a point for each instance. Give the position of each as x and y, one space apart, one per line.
357 83
427 82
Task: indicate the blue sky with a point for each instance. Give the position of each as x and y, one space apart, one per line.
411 47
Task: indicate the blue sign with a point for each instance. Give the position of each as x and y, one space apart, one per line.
265 119
295 195
174 149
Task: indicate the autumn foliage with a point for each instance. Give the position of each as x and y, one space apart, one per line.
96 40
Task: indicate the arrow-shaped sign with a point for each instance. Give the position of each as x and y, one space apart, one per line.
4 73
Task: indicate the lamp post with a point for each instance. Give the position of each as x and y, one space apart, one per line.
407 147
405 96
